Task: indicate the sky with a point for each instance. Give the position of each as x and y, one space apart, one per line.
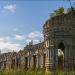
22 21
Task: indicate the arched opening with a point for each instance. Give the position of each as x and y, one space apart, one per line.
26 62
13 64
61 49
61 46
34 61
44 60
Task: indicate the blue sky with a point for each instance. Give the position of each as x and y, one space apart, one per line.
22 21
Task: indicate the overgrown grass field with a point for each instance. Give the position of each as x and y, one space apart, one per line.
24 72
33 72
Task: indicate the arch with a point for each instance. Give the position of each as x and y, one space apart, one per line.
61 49
26 62
34 61
13 64
44 60
61 46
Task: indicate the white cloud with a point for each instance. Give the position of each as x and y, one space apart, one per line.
11 8
28 40
34 41
35 34
17 42
1 39
19 37
7 38
8 45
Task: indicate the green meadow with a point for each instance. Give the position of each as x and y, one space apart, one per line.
34 72
24 72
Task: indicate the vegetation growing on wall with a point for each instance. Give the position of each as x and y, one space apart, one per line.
57 12
60 11
70 9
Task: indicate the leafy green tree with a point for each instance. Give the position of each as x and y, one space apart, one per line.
57 12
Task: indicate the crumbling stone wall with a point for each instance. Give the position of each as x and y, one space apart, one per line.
45 54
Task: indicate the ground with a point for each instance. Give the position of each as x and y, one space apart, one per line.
34 72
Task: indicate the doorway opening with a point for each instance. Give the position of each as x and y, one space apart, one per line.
26 62
44 60
34 61
13 64
61 49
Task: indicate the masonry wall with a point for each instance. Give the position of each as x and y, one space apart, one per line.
61 29
45 54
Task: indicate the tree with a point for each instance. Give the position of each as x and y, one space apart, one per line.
70 9
71 6
57 12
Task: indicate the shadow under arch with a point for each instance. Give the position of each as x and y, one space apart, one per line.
61 46
61 50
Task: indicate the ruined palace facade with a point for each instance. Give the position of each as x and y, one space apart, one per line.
59 33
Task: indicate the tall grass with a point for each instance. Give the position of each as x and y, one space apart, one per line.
33 72
24 72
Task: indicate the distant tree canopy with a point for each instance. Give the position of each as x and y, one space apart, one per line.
60 11
57 12
70 9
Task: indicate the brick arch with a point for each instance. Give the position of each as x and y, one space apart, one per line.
61 49
61 46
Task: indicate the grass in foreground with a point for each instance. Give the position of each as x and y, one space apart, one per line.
24 72
33 72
